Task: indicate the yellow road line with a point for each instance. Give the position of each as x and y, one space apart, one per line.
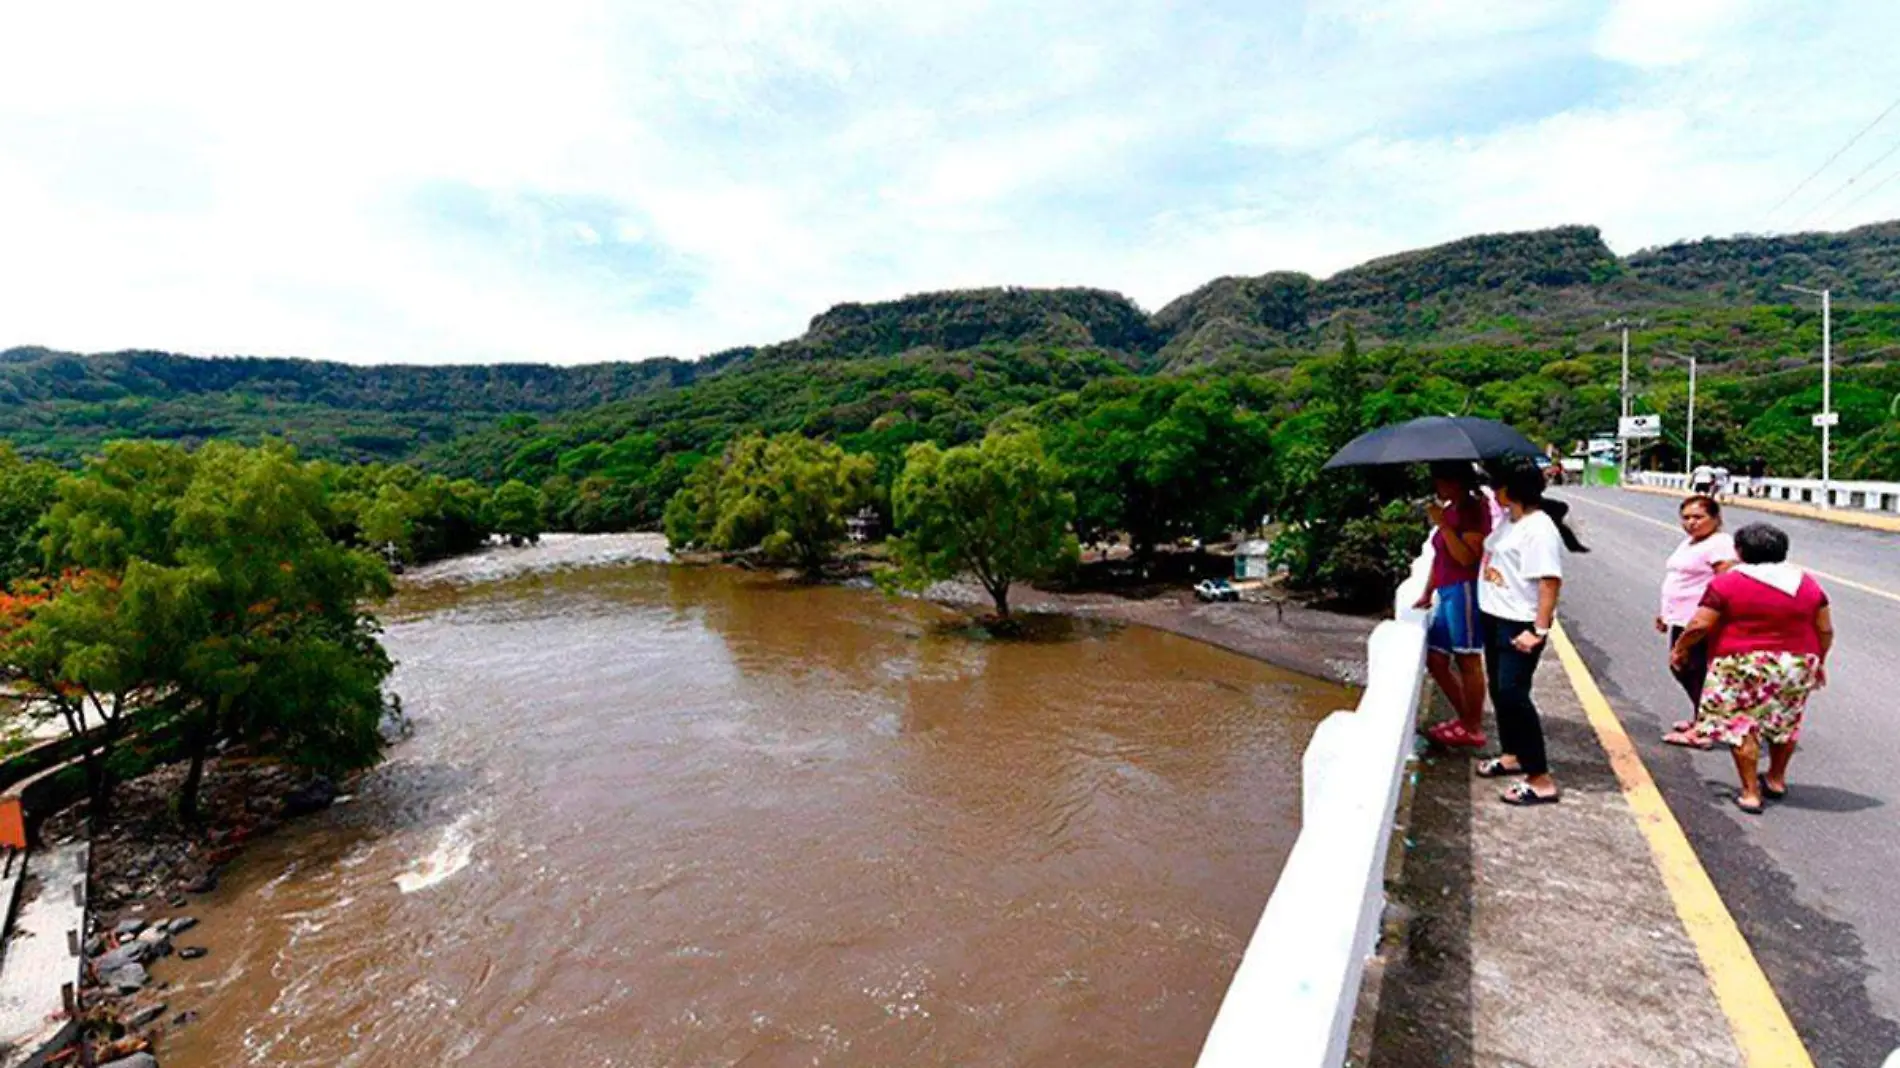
1847 517
1816 572
1762 1030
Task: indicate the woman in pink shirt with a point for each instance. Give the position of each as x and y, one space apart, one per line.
1769 631
1705 552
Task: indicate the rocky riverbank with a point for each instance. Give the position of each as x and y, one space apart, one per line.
146 868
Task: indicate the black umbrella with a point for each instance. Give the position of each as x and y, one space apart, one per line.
1435 437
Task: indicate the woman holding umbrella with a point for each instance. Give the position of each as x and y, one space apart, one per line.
1461 519
1523 575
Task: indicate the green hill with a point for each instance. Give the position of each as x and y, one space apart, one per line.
1510 324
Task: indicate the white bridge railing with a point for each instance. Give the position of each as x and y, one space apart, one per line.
1882 498
1292 1000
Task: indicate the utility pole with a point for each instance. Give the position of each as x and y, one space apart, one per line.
1828 417
1688 450
1622 441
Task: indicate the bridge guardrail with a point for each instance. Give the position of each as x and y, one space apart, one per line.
1880 498
1292 999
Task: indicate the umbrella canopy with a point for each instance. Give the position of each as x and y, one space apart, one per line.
1435 437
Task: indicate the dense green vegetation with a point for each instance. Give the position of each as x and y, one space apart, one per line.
787 495
1212 411
201 593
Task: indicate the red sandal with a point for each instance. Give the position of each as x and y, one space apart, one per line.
1453 734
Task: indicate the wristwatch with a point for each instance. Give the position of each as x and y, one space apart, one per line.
1541 632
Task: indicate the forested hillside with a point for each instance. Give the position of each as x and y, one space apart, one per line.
1508 324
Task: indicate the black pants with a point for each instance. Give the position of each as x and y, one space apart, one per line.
1509 671
1692 674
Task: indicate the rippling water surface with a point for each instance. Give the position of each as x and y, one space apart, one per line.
670 816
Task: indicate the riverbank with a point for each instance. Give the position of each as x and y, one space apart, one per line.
147 869
1324 645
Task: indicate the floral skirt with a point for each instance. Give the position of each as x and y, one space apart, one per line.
1749 692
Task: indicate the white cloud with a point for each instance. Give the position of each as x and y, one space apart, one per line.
592 180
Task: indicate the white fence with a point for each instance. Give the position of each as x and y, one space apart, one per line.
1292 1000
1879 497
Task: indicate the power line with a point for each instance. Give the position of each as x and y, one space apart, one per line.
1837 155
1869 191
1842 188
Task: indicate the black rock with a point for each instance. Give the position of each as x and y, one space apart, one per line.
95 945
128 979
136 1060
129 928
179 901
133 952
145 1015
183 923
314 796
204 884
192 952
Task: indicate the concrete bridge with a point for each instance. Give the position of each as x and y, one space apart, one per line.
1780 934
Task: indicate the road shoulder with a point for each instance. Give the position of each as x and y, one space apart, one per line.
1542 936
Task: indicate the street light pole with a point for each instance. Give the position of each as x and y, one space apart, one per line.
1688 451
1827 417
1622 441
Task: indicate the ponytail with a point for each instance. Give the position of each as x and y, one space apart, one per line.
1557 510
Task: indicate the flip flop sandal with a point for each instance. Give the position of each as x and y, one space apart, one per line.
1494 769
1771 793
1455 736
1753 810
1682 726
1524 796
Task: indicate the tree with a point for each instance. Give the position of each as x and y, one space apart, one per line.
1164 459
229 601
69 651
515 512
787 496
995 510
26 488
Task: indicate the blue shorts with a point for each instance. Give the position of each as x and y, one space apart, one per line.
1454 628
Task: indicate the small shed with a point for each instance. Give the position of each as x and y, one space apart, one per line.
1250 559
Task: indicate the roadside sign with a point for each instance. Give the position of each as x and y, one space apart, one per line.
1826 419
1639 426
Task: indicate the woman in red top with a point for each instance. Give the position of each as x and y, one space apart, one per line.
1769 631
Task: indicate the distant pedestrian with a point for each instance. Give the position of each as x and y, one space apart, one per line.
1517 595
1461 519
1769 630
1705 552
1719 484
1757 477
1702 480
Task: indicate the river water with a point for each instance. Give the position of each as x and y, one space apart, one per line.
654 815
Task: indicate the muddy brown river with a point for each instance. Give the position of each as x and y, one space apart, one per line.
670 816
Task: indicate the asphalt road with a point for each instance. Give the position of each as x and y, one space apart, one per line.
1815 883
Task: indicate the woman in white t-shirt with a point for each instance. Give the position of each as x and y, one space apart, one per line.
1522 574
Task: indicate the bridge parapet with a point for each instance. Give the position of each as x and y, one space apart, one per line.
1292 1000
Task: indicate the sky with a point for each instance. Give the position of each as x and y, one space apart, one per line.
569 182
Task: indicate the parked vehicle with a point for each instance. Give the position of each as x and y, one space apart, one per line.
1216 590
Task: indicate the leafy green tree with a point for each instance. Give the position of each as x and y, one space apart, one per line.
787 496
26 489
69 651
997 510
515 512
233 602
1163 459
